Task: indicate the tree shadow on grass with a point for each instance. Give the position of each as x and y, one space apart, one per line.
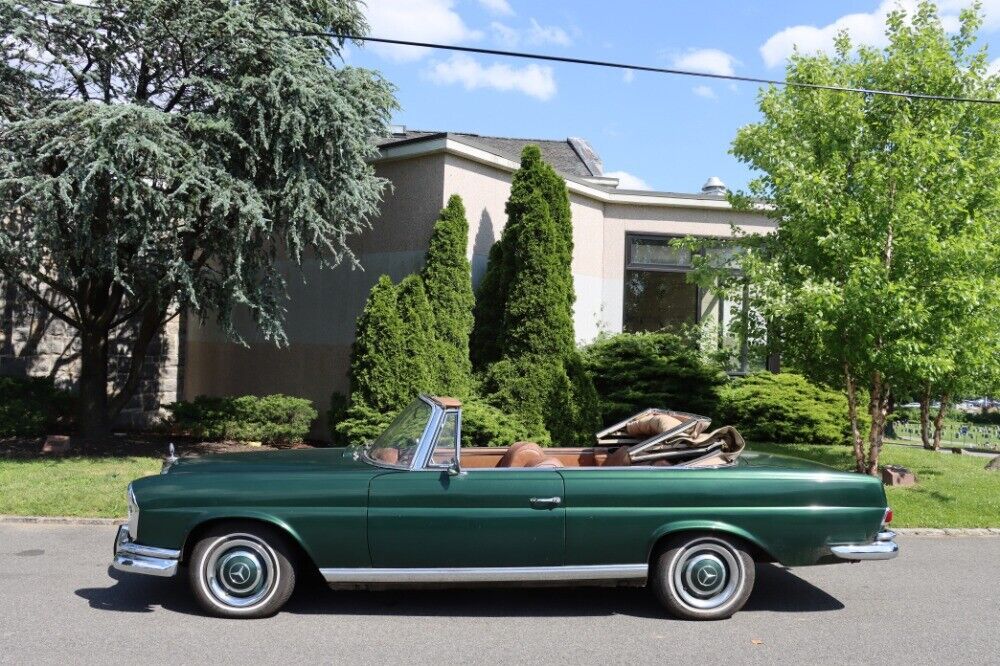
777 590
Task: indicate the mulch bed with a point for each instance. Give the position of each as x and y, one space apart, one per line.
132 444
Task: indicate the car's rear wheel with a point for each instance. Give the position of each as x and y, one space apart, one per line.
702 577
242 570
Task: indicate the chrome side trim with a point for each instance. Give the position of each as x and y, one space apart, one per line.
484 574
880 550
132 557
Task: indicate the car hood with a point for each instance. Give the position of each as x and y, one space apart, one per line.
271 461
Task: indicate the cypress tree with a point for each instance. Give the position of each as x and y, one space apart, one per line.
378 346
484 345
447 278
418 360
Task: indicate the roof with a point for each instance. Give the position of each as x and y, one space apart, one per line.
570 157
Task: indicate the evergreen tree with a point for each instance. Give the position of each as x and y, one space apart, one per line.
378 346
484 345
447 278
418 361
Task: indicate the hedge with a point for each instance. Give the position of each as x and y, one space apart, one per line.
33 406
271 419
784 408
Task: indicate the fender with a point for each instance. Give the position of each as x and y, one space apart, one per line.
719 527
239 513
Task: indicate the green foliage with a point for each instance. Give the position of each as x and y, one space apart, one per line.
376 373
523 337
447 277
160 155
883 272
418 362
33 406
784 407
360 425
271 419
633 371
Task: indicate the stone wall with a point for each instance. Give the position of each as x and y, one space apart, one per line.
34 343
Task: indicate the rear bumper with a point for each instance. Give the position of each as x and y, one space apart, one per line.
135 558
884 548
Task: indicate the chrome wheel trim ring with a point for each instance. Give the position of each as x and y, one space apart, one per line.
228 593
701 553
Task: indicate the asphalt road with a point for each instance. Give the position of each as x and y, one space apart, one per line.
939 602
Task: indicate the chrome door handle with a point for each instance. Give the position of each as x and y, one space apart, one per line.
545 502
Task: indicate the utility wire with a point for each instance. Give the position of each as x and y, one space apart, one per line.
640 68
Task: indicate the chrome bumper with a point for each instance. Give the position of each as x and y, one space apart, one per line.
884 548
136 558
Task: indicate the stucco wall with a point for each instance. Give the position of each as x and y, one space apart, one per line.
324 303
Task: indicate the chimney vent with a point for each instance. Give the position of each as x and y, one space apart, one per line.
714 186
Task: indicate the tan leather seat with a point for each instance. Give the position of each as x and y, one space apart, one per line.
620 457
522 454
547 461
388 454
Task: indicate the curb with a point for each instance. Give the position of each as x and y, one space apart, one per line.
902 531
948 531
59 520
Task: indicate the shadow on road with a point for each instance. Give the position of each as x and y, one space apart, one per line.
777 590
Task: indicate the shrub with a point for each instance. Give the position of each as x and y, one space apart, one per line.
376 374
634 371
784 408
33 406
272 419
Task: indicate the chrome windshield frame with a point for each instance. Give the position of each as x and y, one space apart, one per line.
424 446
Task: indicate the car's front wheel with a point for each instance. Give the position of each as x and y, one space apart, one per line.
242 570
702 577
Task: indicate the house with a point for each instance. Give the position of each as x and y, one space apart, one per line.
626 275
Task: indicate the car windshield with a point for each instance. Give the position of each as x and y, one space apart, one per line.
398 444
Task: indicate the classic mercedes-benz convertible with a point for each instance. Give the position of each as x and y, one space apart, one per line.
659 499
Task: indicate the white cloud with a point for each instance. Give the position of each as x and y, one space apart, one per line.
709 61
628 76
533 80
535 33
628 181
498 7
993 67
547 34
704 91
505 34
418 21
864 29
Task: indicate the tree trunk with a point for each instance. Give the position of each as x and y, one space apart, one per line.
925 418
852 413
877 407
939 421
92 411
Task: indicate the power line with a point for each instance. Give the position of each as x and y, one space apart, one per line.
640 68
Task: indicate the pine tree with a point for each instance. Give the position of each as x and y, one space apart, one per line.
447 278
418 361
378 345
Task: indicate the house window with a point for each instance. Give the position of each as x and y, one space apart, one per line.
657 293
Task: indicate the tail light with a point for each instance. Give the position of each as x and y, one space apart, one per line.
888 516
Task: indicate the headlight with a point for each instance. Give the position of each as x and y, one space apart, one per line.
133 512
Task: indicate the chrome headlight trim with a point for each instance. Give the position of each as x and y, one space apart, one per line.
133 511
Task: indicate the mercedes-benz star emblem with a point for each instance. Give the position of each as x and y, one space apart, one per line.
240 573
706 576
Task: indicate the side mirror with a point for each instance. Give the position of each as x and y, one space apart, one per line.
454 469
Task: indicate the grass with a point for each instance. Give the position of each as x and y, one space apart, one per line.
951 491
74 486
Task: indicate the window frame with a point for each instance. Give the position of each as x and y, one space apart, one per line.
657 268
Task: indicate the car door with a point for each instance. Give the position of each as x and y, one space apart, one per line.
480 518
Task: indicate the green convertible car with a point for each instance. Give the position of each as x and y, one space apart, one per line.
658 500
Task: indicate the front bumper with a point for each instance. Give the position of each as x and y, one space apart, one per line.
884 548
136 558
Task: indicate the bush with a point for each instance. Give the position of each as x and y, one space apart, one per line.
272 419
785 408
33 406
634 371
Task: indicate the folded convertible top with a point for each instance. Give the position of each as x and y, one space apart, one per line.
666 437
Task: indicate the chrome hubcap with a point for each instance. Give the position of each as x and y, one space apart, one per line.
240 571
706 574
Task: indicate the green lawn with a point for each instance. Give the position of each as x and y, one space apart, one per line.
76 486
952 490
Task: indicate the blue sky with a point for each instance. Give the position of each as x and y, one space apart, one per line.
661 132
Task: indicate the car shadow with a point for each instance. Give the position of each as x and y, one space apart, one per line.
777 590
